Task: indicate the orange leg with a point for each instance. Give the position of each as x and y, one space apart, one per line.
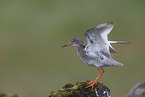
95 81
102 70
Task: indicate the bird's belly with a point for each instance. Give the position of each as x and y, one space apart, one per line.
91 61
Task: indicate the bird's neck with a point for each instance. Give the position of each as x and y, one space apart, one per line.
81 50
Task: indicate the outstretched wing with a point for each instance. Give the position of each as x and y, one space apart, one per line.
97 39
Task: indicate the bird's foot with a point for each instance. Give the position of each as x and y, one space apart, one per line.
95 81
92 85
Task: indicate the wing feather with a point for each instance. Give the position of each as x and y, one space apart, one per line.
97 39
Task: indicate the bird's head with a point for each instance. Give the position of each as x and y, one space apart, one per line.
75 42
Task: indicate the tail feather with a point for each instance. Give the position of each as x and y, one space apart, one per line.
118 64
115 63
111 62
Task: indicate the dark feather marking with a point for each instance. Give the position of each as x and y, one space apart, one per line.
89 38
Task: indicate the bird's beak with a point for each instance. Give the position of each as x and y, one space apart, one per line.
67 44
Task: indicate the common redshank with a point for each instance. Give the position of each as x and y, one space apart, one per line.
98 50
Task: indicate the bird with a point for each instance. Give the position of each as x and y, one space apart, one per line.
98 50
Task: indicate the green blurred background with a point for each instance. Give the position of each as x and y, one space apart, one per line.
32 62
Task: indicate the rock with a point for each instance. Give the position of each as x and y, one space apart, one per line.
137 91
80 90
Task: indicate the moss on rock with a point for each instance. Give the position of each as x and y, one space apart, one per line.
80 90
